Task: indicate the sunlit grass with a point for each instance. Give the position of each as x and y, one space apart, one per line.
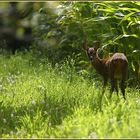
38 100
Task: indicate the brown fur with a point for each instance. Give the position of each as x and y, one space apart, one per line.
115 68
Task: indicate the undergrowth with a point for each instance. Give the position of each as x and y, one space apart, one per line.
38 100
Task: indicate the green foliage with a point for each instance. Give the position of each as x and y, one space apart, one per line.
59 30
51 92
115 24
38 100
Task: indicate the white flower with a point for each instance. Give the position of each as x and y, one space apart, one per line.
11 132
5 66
12 115
33 102
4 120
43 101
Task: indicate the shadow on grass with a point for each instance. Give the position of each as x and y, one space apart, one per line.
52 110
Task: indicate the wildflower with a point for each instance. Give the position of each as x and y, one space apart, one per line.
12 115
49 124
33 102
0 87
18 133
5 66
43 101
4 120
11 132
45 113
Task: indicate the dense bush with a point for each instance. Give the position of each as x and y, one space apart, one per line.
59 31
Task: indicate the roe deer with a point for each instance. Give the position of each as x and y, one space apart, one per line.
115 67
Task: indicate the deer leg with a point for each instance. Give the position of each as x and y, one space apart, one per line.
103 91
104 86
116 86
123 83
112 87
112 79
123 88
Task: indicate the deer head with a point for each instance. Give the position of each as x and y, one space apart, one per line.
92 51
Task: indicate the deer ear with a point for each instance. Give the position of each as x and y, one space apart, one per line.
96 45
84 46
96 48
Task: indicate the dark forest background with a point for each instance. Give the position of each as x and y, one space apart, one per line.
55 31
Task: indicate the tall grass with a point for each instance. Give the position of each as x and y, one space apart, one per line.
38 100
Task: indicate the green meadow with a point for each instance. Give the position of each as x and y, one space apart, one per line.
38 100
